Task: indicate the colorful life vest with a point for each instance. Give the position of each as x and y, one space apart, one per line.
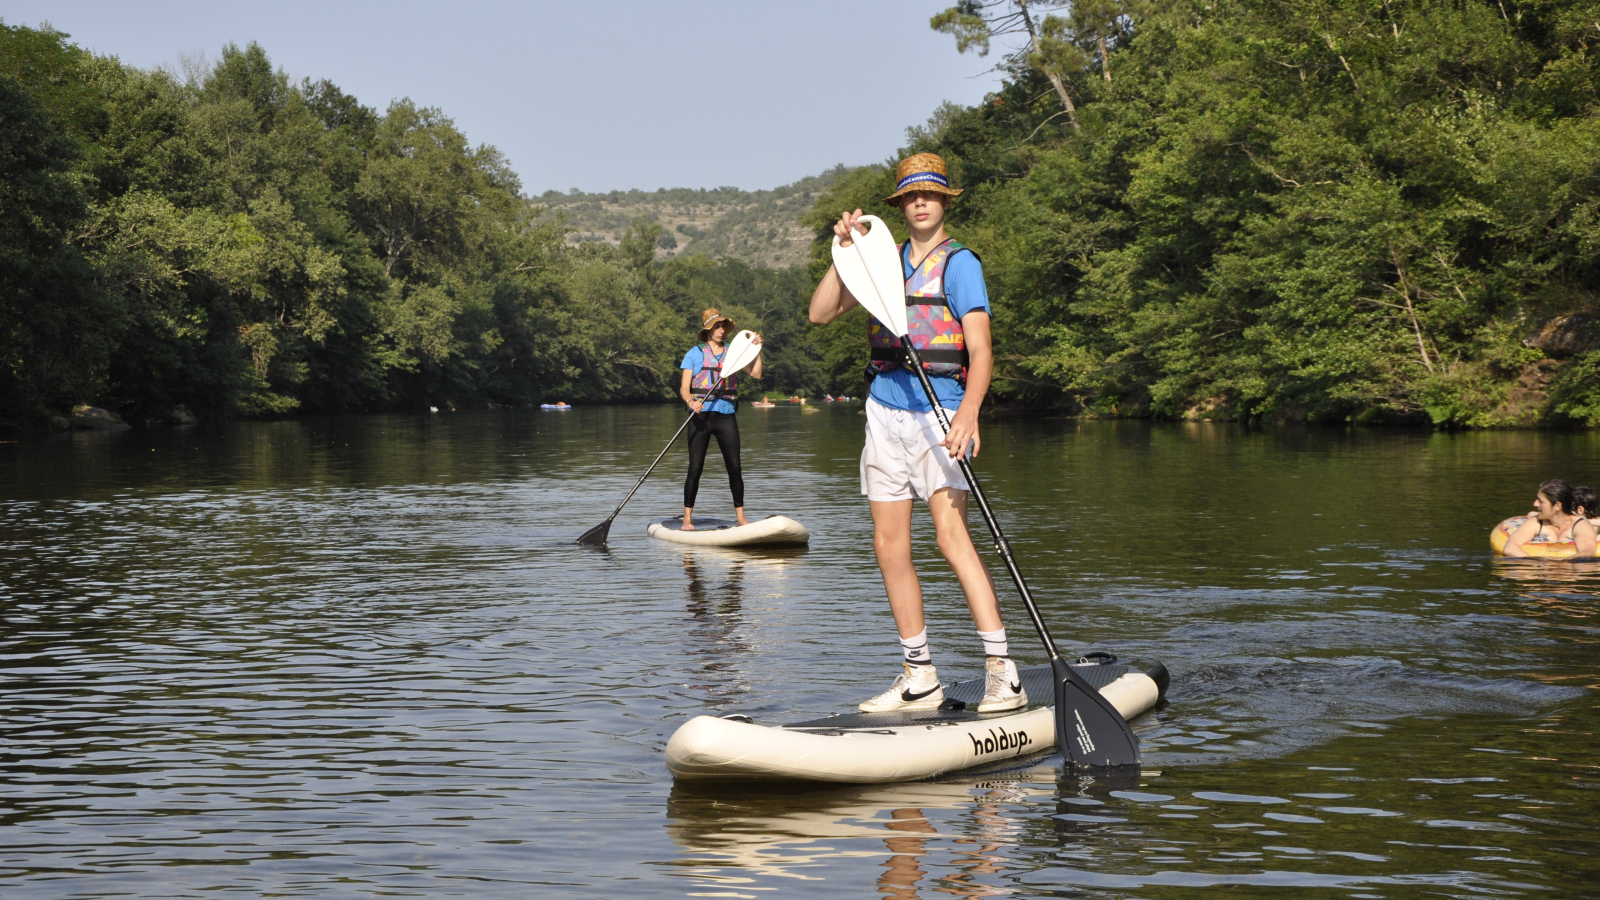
934 330
710 369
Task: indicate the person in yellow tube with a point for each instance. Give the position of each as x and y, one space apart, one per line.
1558 517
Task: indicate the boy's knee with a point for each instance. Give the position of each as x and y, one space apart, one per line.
891 537
895 561
891 544
950 529
954 547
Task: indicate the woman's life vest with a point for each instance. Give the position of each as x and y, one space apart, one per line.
710 370
933 329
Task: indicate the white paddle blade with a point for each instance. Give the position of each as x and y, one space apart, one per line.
742 351
870 268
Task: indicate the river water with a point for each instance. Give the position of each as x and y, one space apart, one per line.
360 656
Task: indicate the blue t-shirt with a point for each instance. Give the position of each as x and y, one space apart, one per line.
692 361
963 287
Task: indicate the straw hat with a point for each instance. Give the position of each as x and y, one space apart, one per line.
921 172
709 320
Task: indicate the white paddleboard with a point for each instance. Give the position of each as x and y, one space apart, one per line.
709 532
866 748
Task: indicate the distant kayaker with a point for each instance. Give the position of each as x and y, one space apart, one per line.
714 410
1557 517
907 457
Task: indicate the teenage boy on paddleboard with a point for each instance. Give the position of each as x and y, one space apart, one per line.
907 457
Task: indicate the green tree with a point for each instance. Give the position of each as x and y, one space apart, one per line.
1323 209
52 333
976 23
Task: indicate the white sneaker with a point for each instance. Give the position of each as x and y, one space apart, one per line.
916 688
1002 687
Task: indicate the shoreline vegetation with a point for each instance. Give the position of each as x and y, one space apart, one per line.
1344 211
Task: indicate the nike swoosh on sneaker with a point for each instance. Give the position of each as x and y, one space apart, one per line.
907 696
1016 687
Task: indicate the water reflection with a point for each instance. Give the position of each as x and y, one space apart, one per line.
903 870
1552 571
716 638
978 841
962 837
931 839
981 850
1466 827
263 658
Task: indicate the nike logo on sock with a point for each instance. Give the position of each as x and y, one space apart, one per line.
907 696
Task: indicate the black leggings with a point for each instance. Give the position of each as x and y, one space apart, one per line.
726 427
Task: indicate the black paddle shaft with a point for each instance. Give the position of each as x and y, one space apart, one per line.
599 533
1085 751
1001 545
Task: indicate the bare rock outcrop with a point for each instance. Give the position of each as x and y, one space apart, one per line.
93 418
1526 401
1564 336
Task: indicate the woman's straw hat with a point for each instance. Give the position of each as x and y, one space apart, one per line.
709 320
921 172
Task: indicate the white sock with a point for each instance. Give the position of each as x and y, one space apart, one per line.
916 649
994 643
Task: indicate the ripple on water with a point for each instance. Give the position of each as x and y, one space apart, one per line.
1224 797
361 655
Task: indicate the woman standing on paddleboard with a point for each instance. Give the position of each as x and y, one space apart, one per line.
907 457
714 407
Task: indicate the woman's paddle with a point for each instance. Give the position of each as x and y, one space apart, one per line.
741 352
1089 729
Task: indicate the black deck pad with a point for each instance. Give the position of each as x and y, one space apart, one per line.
701 523
1036 680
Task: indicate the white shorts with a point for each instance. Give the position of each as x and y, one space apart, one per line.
903 459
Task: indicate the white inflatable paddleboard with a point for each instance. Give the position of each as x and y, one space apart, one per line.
886 747
710 532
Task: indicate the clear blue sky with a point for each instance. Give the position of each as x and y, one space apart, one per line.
594 95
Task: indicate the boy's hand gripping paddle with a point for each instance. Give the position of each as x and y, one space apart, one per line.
1089 729
741 352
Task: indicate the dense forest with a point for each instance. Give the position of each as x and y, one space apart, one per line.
1278 210
239 245
1271 210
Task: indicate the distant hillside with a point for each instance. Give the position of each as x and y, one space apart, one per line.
761 228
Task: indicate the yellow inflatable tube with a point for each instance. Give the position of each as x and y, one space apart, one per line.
1501 533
